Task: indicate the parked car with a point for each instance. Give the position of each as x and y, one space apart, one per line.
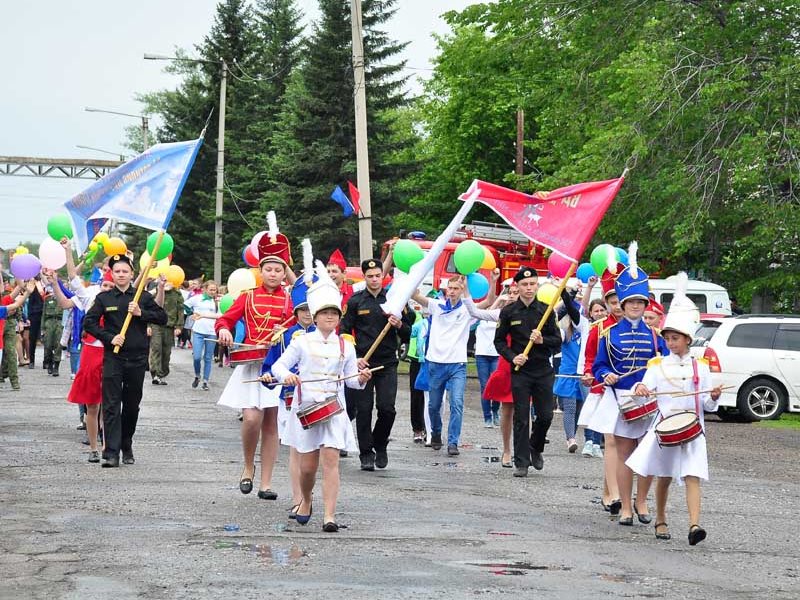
759 356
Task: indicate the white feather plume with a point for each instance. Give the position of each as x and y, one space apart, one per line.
308 261
633 264
322 273
272 226
681 285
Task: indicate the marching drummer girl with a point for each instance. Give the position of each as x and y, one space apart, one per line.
674 448
264 309
622 357
326 362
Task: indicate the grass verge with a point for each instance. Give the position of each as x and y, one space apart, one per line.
786 421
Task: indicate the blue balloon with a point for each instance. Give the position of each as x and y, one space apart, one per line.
477 285
622 256
585 272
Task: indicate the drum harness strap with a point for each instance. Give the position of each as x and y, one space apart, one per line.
696 383
339 370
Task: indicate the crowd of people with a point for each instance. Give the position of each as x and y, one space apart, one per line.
312 356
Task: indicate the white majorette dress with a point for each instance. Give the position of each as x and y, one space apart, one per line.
316 358
674 373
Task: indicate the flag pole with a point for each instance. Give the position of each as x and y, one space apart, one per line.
140 289
550 308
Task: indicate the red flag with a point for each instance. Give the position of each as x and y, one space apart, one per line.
354 196
563 220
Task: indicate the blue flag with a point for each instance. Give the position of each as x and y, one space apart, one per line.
340 198
144 191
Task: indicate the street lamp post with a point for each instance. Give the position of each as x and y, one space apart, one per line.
220 154
145 122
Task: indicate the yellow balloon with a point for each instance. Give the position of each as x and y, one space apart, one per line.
92 246
488 260
175 275
159 268
546 293
240 280
114 246
144 260
101 238
21 250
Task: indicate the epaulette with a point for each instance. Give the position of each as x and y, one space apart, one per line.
597 323
349 338
653 362
604 332
298 333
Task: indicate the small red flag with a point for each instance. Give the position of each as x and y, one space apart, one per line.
563 220
355 196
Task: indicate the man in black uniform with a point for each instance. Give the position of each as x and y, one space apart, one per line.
535 375
123 373
365 320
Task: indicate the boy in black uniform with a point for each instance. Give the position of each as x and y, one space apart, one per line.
123 373
534 379
365 319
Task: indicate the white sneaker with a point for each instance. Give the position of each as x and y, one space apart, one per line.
587 449
488 424
597 452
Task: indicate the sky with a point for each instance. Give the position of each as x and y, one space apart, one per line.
61 57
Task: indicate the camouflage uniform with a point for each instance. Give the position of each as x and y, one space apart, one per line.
163 337
51 334
10 358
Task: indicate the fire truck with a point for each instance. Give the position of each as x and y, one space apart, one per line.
509 248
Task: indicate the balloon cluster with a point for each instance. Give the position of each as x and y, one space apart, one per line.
243 279
603 257
468 258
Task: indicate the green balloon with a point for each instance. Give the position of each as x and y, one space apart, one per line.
166 247
225 303
58 227
468 257
406 254
603 256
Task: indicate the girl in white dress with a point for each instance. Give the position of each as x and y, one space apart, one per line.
320 354
677 373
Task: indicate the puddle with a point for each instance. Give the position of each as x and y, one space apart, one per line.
490 459
270 554
517 568
502 533
482 447
447 465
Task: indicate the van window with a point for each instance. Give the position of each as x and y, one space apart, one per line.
698 299
788 338
704 333
753 335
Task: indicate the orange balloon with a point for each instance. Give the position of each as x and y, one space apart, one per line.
175 275
257 274
114 246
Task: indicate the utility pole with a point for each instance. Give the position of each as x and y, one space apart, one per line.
520 141
362 155
220 176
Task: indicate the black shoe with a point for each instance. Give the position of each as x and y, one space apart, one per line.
381 459
267 494
626 521
452 450
436 441
342 453
31 366
54 369
94 456
645 518
204 388
156 381
536 460
246 483
110 462
81 427
330 527
127 457
521 472
615 507
49 369
196 382
162 382
696 535
368 462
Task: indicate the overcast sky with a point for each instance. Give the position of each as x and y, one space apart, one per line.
60 57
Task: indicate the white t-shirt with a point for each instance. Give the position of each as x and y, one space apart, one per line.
449 333
199 303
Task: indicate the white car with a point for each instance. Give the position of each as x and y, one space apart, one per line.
759 357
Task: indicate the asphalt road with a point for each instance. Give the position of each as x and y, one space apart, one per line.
428 526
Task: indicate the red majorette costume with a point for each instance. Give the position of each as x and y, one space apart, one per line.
597 331
263 311
87 388
346 290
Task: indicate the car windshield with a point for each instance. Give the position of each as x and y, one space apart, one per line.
705 331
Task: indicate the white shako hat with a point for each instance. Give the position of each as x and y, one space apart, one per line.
323 293
683 315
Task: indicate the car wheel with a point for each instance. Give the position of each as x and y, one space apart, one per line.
761 399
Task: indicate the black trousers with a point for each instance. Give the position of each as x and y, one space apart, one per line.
524 388
122 393
351 401
34 333
417 398
380 392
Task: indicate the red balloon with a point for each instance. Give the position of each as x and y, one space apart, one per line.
558 265
249 257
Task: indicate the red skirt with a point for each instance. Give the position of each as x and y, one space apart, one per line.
498 387
88 385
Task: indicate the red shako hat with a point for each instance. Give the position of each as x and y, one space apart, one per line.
337 258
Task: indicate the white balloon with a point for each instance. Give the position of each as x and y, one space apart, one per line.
52 254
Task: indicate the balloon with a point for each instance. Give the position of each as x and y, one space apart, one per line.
585 272
477 285
240 280
622 256
558 265
51 254
144 260
164 249
468 257
27 266
546 293
175 275
254 242
21 250
101 238
406 254
59 226
603 256
248 257
158 267
489 263
94 247
257 275
225 303
114 246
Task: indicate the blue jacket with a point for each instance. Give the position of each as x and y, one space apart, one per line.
627 348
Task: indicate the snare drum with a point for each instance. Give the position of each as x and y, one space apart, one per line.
319 412
678 429
633 412
248 355
288 396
